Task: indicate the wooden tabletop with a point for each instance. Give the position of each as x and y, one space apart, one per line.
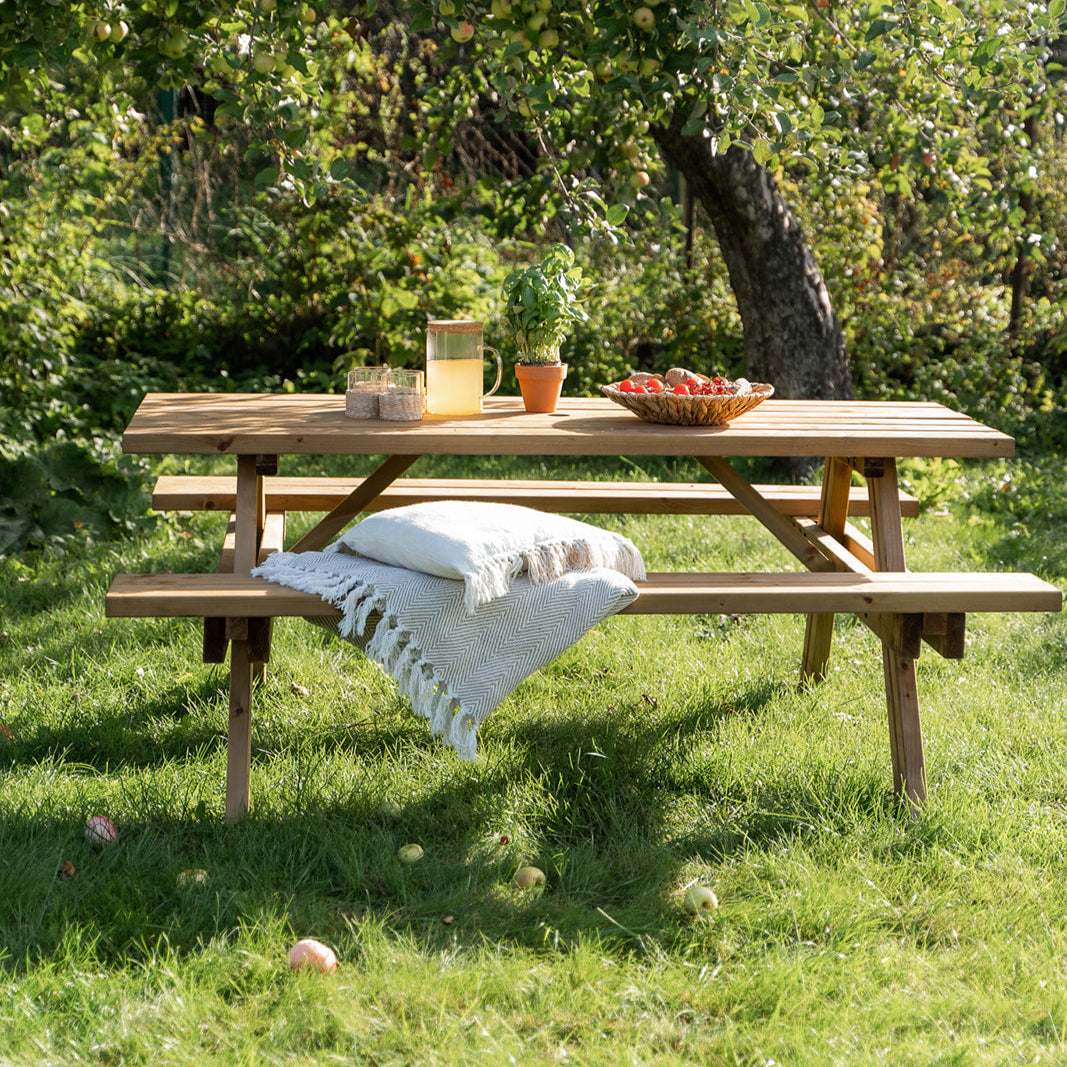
286 424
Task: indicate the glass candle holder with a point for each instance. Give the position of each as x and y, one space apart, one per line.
404 397
365 386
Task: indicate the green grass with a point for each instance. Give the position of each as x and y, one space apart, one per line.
656 752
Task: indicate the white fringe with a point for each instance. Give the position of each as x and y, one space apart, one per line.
547 561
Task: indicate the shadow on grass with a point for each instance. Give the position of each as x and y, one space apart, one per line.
590 800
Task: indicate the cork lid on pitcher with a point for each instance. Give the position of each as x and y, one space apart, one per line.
453 326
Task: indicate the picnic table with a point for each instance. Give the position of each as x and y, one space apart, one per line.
846 570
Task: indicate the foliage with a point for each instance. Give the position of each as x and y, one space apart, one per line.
542 300
62 492
649 311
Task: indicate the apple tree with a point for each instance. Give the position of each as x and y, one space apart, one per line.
736 94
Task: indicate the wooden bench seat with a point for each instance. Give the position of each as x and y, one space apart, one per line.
183 492
214 595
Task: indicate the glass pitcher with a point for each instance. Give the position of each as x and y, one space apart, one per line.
454 361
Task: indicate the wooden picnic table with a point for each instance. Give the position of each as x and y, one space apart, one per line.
849 571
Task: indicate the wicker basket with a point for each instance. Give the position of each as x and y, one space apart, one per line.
688 410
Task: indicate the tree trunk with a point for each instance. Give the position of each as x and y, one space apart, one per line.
792 337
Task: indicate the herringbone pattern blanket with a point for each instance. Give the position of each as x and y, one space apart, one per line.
454 667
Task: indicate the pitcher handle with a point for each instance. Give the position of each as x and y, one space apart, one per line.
499 370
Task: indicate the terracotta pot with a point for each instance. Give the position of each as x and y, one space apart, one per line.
540 384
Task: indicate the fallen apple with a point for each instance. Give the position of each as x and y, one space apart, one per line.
312 954
699 900
410 853
530 878
193 876
100 830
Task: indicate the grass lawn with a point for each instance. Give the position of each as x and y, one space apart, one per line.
656 753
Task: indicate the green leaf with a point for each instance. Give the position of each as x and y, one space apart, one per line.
984 53
1056 8
267 176
617 214
878 28
953 13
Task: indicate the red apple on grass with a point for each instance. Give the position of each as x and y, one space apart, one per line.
312 955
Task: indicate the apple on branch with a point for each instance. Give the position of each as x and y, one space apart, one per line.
463 32
644 18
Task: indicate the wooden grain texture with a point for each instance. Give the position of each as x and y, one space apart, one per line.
901 688
239 734
253 424
193 595
784 527
343 512
189 492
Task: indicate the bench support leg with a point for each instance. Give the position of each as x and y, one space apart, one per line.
239 743
905 728
902 697
833 517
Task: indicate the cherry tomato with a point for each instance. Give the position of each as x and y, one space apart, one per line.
654 385
626 386
681 389
638 388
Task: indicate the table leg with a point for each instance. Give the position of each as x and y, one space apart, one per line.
248 530
833 517
902 698
239 742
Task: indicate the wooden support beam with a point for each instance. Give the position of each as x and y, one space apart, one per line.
784 527
348 509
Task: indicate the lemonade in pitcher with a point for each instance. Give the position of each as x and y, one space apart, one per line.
454 386
454 367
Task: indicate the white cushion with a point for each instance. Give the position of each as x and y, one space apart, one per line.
487 545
